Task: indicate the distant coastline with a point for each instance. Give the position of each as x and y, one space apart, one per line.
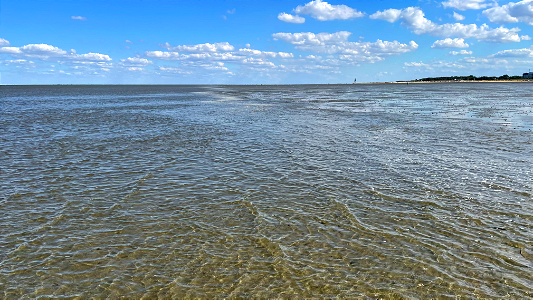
472 78
449 81
526 77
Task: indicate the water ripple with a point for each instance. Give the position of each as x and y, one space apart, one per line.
350 191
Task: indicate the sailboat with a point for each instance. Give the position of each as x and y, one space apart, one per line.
355 80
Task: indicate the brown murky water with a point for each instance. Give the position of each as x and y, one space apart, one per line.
351 191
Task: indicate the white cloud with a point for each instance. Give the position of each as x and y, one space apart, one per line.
200 48
79 18
462 52
416 64
194 67
134 69
414 19
136 61
290 18
218 66
18 61
465 4
4 42
211 56
525 37
324 11
231 12
207 59
42 49
10 50
163 55
54 60
48 52
91 57
524 52
258 62
390 15
503 64
337 43
252 52
174 70
450 43
507 61
236 56
309 38
458 17
513 12
129 42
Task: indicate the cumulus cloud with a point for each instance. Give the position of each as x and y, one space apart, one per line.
79 18
309 38
513 12
337 43
194 67
163 55
174 70
4 42
510 61
291 18
18 61
465 4
216 66
257 62
10 50
265 54
136 61
458 17
414 19
462 52
49 52
41 49
390 15
90 57
525 37
200 48
324 11
524 52
214 56
450 43
54 60
129 42
235 56
416 64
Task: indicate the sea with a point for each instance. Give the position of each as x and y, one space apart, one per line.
359 191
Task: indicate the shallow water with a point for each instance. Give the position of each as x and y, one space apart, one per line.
349 191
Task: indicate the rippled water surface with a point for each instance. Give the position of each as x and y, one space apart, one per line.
350 191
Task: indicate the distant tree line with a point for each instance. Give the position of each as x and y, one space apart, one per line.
469 78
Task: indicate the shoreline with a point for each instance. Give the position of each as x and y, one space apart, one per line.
447 81
286 84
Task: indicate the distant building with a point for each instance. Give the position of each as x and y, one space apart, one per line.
527 75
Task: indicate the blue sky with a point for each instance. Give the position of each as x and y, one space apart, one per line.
260 42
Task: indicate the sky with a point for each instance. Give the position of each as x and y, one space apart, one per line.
260 42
